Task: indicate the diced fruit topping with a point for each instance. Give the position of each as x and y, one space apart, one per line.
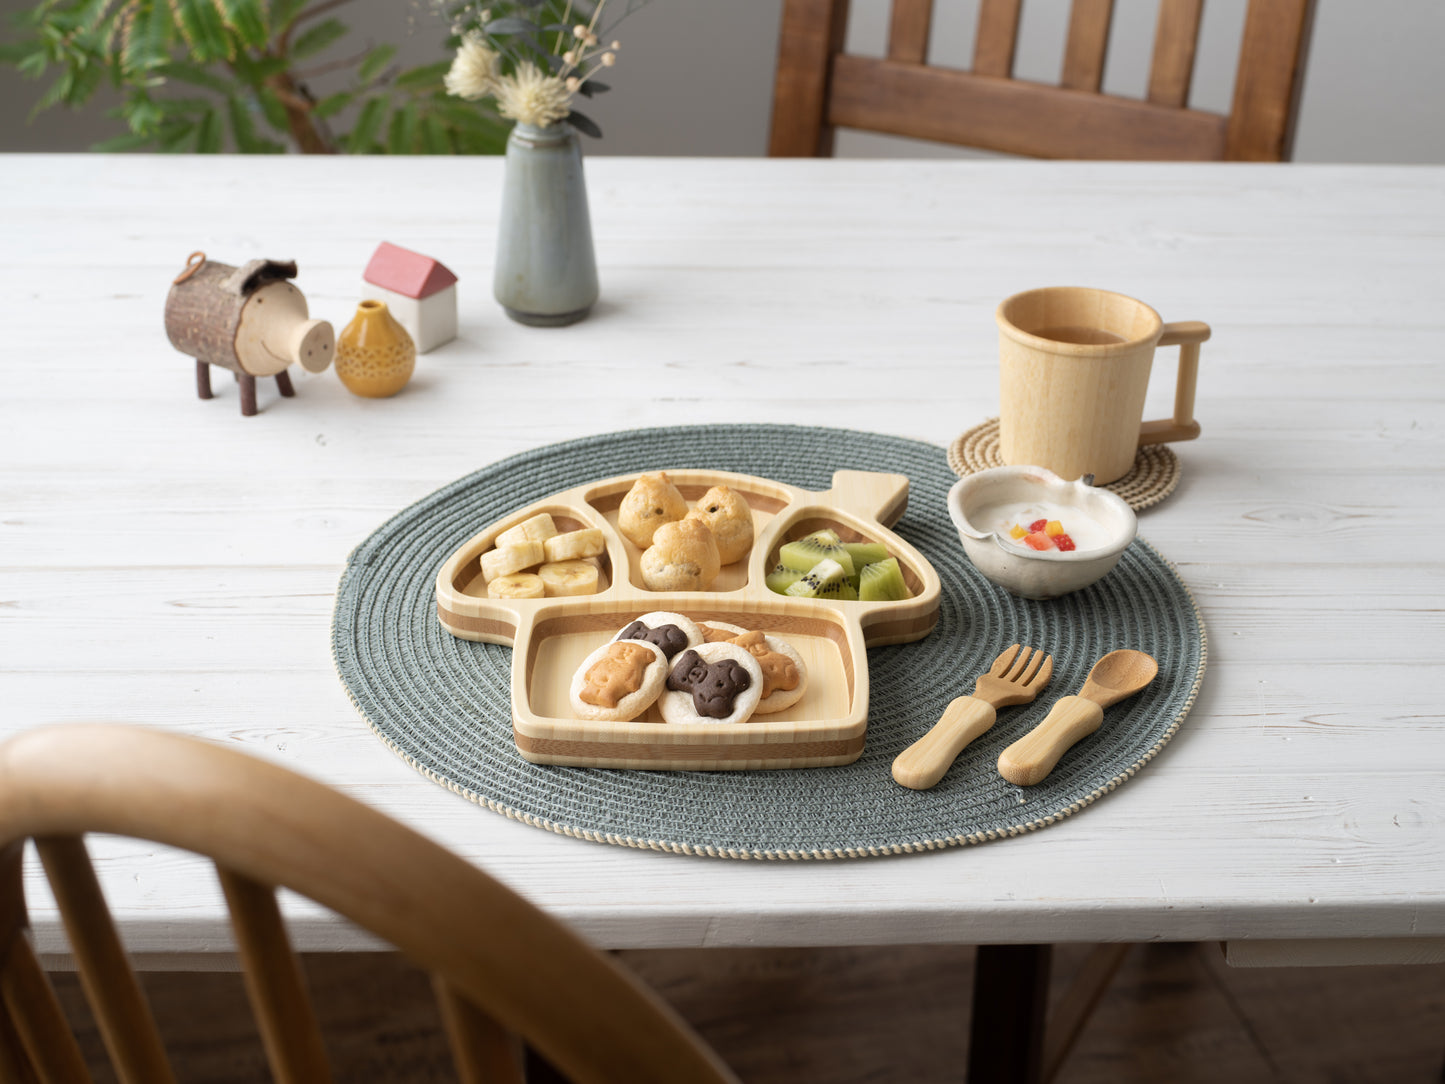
1064 542
1038 541
1043 534
1018 531
1038 525
1053 528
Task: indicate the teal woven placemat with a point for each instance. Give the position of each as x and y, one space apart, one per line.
444 704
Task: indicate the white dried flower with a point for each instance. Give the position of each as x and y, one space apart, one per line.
533 97
570 56
573 83
609 59
579 31
475 70
616 45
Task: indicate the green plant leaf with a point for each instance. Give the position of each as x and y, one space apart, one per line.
510 24
368 124
401 132
248 19
332 104
171 136
146 38
201 27
128 142
584 124
427 78
273 110
312 41
32 66
208 134
284 12
590 88
196 76
375 62
243 127
434 138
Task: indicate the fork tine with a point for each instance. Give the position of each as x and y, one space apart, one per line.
1041 674
1016 671
1004 661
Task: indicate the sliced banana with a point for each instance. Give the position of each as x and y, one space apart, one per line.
574 545
537 529
504 560
517 585
569 578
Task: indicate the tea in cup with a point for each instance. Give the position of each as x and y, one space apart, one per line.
1074 369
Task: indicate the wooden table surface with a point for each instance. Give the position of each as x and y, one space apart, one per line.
164 560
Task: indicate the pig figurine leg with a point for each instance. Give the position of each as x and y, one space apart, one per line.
283 383
248 394
203 379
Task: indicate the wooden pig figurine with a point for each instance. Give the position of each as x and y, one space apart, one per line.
248 319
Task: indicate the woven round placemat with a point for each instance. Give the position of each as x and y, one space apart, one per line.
444 705
1153 476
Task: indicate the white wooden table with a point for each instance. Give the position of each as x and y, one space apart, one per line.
167 561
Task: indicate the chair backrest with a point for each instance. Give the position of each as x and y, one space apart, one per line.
502 968
819 87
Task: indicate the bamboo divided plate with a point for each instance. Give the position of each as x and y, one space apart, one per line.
550 637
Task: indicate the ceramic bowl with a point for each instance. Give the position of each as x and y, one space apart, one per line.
978 503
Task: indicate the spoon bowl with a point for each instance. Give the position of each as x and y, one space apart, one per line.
1118 675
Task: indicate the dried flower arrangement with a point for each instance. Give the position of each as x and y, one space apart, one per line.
534 56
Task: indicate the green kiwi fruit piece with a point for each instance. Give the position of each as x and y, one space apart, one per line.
882 581
804 553
866 553
827 534
781 578
825 574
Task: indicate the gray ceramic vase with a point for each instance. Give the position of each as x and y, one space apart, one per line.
546 272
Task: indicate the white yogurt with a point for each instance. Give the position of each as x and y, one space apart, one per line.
1086 533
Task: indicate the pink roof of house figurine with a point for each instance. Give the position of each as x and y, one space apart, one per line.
420 291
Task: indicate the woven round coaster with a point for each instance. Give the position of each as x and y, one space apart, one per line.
1152 478
444 704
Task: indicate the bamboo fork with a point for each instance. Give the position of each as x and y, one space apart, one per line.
1015 677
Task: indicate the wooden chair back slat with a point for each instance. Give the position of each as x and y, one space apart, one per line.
997 36
1270 78
14 1064
908 31
820 88
1087 44
1013 116
813 32
484 1052
274 983
115 996
41 1045
1176 37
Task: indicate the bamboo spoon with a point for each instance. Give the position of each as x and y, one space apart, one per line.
1117 675
1015 677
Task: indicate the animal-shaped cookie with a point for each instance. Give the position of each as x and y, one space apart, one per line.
618 681
785 677
714 683
669 631
652 501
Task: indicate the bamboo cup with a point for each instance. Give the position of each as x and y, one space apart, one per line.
1073 373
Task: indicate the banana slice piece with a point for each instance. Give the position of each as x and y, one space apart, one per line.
517 585
504 560
569 578
537 529
574 545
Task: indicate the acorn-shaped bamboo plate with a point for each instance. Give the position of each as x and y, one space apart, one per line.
550 637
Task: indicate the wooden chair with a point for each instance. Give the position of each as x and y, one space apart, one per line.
819 87
501 968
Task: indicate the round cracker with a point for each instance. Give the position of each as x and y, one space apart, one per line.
658 618
779 699
654 679
677 706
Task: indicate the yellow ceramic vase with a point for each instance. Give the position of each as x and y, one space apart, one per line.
374 354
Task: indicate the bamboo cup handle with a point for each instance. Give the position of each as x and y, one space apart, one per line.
1031 758
928 759
1187 335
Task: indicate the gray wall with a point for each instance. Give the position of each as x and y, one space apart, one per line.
695 76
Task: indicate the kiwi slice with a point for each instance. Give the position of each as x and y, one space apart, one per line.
842 591
804 553
866 553
882 581
827 534
822 576
781 578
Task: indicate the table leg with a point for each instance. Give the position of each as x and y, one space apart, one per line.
1010 1000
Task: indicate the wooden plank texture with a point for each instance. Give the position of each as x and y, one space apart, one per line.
996 39
908 31
1176 37
1086 47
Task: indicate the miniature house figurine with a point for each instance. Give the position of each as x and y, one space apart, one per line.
420 292
248 319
